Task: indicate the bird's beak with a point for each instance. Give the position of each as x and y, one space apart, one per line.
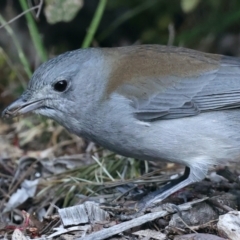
22 106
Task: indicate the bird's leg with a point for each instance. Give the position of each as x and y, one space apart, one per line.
191 174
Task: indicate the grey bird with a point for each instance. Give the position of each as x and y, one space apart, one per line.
148 102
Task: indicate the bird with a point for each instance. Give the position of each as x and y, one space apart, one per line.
148 102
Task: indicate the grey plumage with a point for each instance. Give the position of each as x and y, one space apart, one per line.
149 102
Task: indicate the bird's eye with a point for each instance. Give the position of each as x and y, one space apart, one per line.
60 86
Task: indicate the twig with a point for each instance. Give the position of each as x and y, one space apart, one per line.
106 233
203 225
186 225
36 16
39 6
123 194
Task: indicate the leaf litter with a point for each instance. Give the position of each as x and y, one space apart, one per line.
54 184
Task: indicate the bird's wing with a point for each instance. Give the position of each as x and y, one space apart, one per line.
175 101
213 90
198 84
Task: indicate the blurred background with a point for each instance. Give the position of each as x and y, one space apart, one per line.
59 26
211 26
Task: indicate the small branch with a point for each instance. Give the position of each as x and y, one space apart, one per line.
94 24
108 232
23 13
36 16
